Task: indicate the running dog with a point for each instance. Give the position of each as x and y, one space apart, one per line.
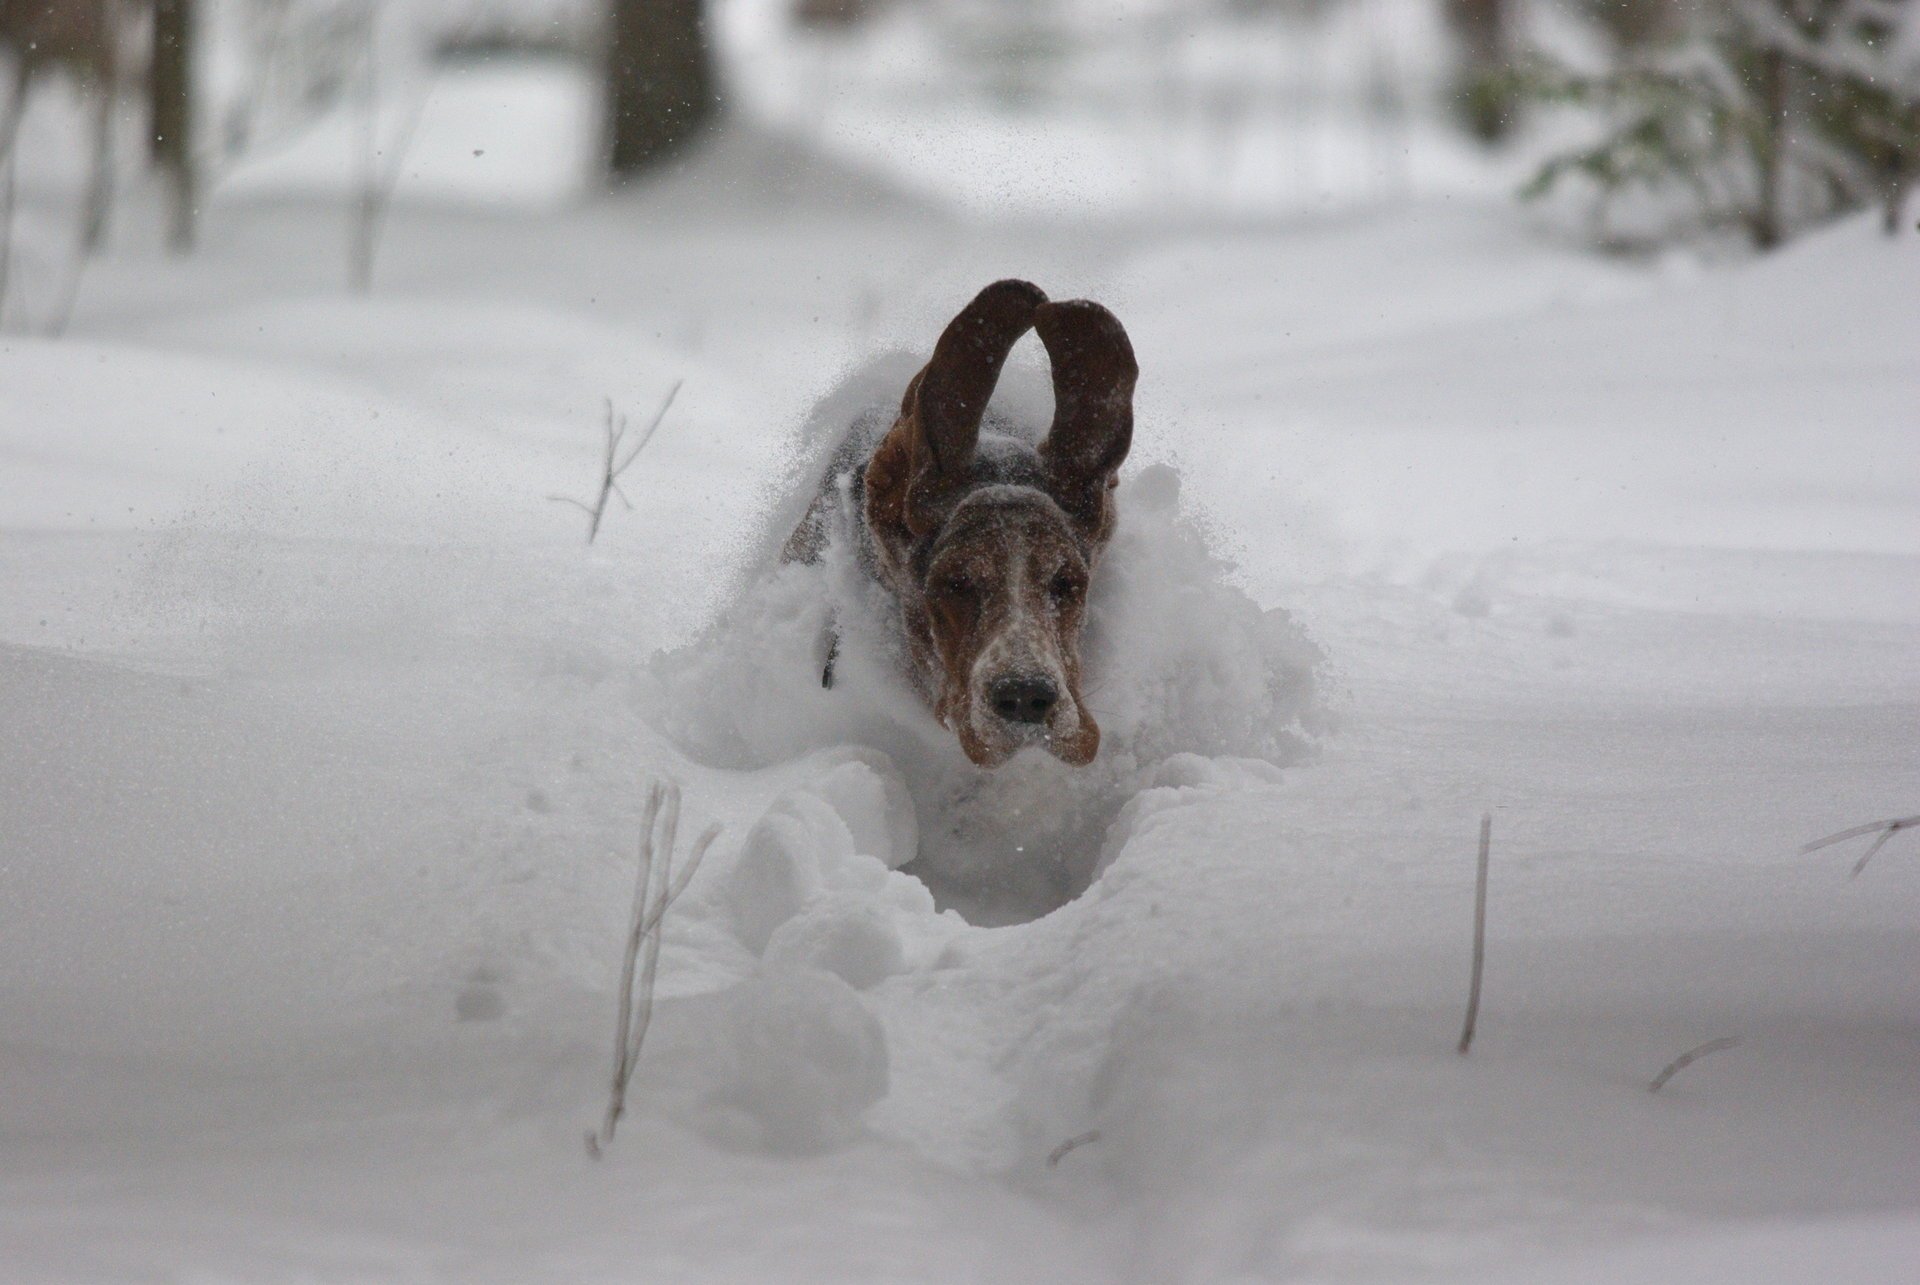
985 539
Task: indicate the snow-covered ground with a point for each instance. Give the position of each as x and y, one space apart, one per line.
326 734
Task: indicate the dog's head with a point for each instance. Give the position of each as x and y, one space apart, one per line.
990 545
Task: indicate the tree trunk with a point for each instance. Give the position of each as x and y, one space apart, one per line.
660 87
1635 25
1482 31
1768 223
170 112
1903 166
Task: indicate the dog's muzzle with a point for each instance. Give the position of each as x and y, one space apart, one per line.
1025 700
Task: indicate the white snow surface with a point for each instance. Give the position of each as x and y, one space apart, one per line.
326 736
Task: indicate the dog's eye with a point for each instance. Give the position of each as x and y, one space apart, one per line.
957 585
1065 587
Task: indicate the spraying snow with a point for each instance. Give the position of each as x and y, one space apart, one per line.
1179 661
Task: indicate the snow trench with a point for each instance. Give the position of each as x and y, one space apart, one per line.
885 855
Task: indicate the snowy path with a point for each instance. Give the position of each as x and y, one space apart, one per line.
323 734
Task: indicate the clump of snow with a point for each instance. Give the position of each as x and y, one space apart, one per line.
845 934
1182 778
872 799
798 1059
833 834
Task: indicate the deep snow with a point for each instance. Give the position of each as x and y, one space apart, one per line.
326 734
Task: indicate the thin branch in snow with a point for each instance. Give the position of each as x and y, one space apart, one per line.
1688 1058
615 459
623 1024
378 183
1479 933
8 178
1885 829
1071 1145
656 888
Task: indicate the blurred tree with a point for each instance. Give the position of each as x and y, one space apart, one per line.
833 14
79 37
170 114
660 88
1772 116
1483 31
1637 24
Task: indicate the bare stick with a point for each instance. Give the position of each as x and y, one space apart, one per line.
650 953
615 459
622 1070
1688 1058
7 180
685 877
1071 1145
653 426
1885 829
98 201
360 243
1479 933
378 183
656 888
377 195
244 115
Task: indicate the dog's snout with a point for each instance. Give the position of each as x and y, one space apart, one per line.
1026 698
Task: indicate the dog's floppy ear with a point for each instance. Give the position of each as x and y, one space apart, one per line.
1093 377
942 408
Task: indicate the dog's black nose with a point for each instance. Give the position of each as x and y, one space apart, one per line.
1023 699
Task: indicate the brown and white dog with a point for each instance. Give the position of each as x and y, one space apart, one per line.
985 539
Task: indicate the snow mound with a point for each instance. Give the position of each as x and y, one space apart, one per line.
834 835
786 1062
1180 661
843 934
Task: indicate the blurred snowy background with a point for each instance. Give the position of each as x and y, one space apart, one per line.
1527 425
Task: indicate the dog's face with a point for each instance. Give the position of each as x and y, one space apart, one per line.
1004 597
990 549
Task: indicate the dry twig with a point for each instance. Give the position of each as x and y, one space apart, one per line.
378 183
1885 829
1688 1058
1479 933
613 462
655 890
8 178
1072 1144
